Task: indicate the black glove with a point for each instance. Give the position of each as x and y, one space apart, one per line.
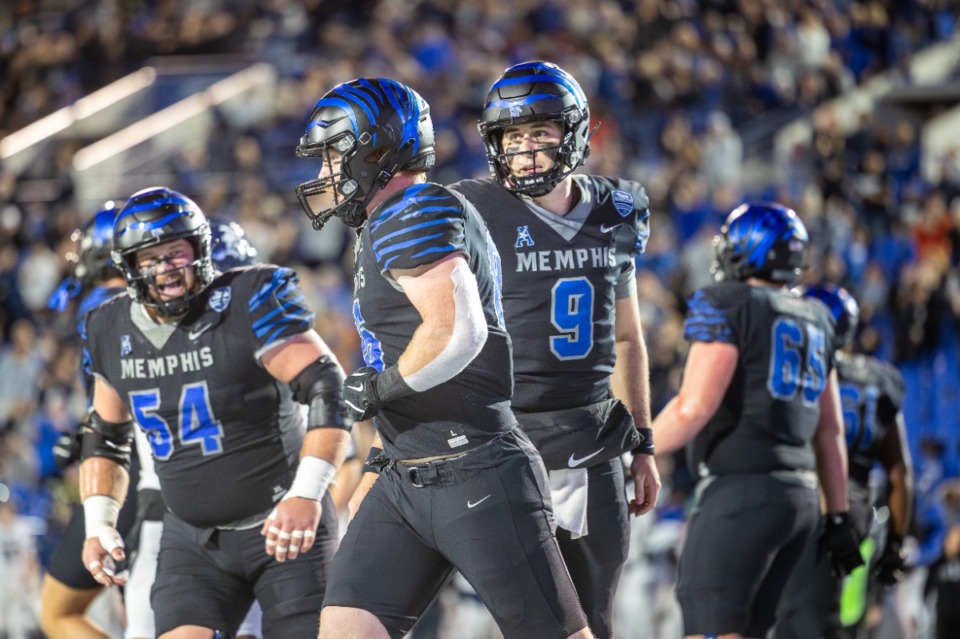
891 565
366 390
360 393
66 450
841 543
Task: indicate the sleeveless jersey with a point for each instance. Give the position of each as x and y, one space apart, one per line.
871 393
560 290
768 417
225 434
414 227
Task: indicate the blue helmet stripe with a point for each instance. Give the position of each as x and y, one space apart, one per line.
353 91
344 106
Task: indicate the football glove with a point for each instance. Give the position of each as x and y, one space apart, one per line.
891 565
841 543
360 393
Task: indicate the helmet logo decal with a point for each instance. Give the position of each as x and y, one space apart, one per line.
523 237
623 202
126 346
515 110
220 299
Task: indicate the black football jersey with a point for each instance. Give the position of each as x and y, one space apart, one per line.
414 227
768 417
871 393
560 289
225 434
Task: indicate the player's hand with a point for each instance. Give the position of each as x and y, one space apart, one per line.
360 394
892 564
291 528
104 557
366 483
841 543
646 484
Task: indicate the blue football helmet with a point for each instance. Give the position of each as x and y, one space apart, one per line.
536 92
92 262
154 216
377 127
845 310
764 240
229 246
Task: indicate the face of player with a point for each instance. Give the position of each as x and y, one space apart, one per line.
168 269
531 148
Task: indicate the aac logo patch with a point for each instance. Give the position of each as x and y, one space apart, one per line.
523 237
220 299
623 202
126 346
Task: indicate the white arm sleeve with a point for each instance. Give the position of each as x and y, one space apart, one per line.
469 334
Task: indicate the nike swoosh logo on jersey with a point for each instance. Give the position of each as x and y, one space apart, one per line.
573 462
358 387
609 229
474 504
198 330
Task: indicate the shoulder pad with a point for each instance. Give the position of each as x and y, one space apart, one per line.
417 226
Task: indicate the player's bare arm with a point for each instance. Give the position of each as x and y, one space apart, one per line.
291 528
104 480
831 447
631 385
706 377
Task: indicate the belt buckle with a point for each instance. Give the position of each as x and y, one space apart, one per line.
413 474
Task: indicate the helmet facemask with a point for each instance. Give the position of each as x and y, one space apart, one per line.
567 155
337 193
142 281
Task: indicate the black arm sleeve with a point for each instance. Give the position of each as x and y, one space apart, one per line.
107 439
320 386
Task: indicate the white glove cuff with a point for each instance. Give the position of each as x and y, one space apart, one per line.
312 479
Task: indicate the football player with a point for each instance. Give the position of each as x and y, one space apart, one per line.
568 244
229 249
459 485
871 392
209 366
760 406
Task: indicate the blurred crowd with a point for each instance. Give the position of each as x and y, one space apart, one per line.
681 88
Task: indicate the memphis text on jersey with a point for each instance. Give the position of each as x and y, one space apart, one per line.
154 367
566 259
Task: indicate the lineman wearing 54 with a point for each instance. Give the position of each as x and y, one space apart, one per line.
208 366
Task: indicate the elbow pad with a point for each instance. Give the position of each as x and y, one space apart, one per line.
107 439
320 386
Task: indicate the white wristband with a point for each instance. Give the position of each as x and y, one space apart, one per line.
99 512
313 476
